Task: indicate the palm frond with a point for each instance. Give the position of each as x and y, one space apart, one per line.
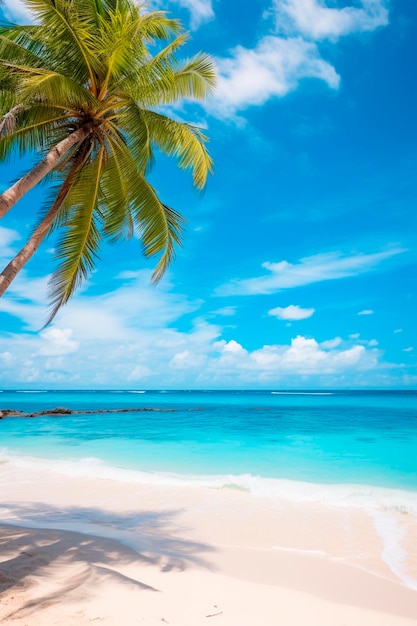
159 226
62 21
116 181
132 122
184 141
47 86
78 246
196 78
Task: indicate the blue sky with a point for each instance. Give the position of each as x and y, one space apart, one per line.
298 268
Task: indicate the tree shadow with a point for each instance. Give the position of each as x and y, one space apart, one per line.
53 552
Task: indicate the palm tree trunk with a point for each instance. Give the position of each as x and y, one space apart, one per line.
8 121
13 268
29 180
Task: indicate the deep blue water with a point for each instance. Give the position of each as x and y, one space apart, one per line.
349 437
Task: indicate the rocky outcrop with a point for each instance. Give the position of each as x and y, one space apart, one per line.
9 413
61 411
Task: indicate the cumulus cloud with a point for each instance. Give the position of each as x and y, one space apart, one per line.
57 342
131 336
304 356
366 312
289 53
139 372
313 269
314 20
233 347
272 69
291 313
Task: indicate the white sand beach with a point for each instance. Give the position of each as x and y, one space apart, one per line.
76 550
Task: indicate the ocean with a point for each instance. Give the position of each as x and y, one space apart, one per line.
353 447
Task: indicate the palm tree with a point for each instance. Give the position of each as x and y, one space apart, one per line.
85 87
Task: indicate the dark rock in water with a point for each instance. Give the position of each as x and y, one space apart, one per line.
9 413
57 411
60 411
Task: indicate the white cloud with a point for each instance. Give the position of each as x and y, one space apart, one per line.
6 357
233 347
313 269
398 330
272 69
313 19
57 342
303 356
7 237
281 59
291 312
139 372
226 311
366 312
16 10
410 349
200 11
329 344
130 335
186 360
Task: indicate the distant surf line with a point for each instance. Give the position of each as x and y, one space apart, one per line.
302 393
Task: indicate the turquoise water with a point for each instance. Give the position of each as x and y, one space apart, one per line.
341 437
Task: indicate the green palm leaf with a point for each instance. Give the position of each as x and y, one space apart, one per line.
78 246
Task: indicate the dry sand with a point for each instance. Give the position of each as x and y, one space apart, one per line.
91 551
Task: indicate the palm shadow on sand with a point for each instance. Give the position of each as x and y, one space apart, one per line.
44 553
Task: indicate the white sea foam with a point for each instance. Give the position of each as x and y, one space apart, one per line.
136 391
393 554
302 393
344 495
30 391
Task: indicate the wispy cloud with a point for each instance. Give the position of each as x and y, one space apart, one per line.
291 313
200 10
8 237
226 311
313 269
314 20
366 312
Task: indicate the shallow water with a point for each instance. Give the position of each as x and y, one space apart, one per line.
337 438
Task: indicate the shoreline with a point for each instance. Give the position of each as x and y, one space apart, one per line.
226 555
360 495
